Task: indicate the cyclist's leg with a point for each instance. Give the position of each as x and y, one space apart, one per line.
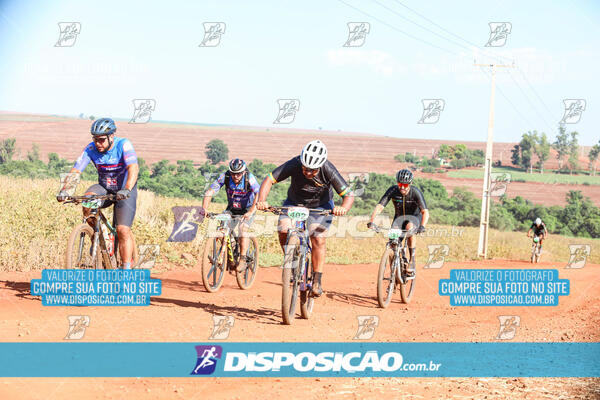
412 225
318 226
284 224
124 213
97 190
244 227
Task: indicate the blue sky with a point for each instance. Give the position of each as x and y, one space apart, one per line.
290 49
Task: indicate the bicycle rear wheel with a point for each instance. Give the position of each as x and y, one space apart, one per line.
307 302
80 248
214 261
290 280
245 279
386 279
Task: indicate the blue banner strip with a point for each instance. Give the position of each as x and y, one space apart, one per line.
332 359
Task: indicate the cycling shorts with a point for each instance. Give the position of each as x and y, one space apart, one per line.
124 210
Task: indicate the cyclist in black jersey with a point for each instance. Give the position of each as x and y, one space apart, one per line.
539 230
313 179
410 210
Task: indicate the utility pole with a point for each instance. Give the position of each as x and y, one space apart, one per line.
485 199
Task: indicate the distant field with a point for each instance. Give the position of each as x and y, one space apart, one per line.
546 177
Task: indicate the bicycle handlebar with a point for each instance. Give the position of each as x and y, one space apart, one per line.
281 210
80 199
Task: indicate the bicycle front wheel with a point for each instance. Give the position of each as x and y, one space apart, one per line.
80 247
245 278
290 280
214 261
307 302
386 279
406 288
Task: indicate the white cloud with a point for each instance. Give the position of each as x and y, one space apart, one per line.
380 61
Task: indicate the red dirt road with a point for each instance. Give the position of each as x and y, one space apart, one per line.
183 313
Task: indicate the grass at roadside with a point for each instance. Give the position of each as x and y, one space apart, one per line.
34 229
518 175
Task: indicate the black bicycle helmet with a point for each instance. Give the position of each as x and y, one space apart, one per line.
404 176
237 165
103 126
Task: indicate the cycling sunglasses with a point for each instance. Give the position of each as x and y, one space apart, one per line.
309 170
403 185
99 139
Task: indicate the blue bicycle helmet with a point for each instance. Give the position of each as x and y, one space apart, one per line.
103 126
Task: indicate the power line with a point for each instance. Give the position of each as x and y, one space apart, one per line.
529 101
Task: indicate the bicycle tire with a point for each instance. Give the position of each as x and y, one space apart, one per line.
406 289
212 270
80 232
289 281
246 278
385 292
307 302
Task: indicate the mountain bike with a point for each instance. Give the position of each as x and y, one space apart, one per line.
223 253
393 268
297 275
535 249
94 244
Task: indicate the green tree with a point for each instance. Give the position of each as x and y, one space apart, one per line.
400 158
216 151
7 150
542 151
593 156
561 145
573 152
516 155
34 154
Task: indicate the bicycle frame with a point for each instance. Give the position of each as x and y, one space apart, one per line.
299 229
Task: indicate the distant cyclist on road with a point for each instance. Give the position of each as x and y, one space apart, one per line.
539 231
410 210
242 190
312 178
118 169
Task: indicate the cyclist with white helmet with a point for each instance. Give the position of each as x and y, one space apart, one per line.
118 169
539 231
242 190
312 179
410 210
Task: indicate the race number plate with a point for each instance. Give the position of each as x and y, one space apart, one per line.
91 203
298 213
394 233
223 217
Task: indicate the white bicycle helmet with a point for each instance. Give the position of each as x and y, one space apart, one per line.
314 154
538 221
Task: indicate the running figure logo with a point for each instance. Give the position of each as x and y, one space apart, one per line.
77 326
499 183
432 109
68 34
508 326
437 255
212 34
68 183
357 33
148 254
498 34
186 223
142 112
579 255
222 327
287 111
358 181
573 110
366 327
207 359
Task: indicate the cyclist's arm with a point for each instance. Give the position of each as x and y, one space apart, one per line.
341 187
424 217
212 190
378 209
279 174
132 175
265 188
255 189
382 203
529 232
